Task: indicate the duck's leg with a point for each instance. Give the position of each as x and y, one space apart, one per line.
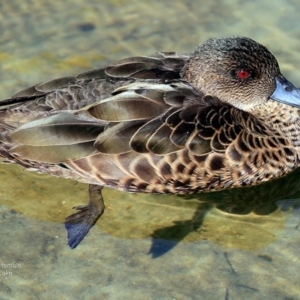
79 224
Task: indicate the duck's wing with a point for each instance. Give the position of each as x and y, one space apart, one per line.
73 92
106 126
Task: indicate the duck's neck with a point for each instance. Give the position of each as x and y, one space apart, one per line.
283 118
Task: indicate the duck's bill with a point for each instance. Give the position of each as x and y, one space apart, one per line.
286 92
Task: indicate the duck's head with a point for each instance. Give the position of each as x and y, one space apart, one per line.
239 71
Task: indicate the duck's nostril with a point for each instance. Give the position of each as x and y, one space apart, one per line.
288 88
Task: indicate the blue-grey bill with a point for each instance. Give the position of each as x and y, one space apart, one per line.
286 92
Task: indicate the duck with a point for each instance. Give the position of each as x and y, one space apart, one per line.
218 118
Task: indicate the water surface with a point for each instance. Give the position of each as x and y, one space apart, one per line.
145 246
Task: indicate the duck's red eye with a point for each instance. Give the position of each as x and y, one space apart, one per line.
243 74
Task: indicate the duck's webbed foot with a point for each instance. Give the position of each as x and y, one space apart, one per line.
79 224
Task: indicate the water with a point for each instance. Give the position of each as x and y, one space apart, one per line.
144 247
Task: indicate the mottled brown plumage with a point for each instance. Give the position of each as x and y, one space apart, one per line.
219 118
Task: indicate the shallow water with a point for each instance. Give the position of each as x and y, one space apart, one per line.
145 246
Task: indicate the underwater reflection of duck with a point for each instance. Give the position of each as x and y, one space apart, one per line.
221 117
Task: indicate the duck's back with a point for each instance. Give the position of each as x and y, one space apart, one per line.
52 127
75 92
